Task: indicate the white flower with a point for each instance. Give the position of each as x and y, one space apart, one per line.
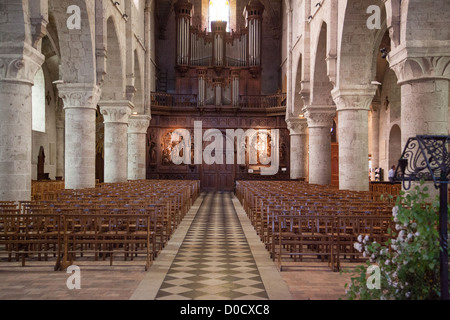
408 294
358 246
417 234
366 238
395 211
387 262
401 234
360 238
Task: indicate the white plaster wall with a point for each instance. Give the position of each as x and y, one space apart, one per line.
46 139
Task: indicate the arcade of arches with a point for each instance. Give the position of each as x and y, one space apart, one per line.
91 91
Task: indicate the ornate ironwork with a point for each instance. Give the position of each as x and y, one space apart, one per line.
424 158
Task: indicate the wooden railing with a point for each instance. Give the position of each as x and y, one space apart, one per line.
263 101
163 99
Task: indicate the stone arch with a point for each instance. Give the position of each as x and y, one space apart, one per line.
297 107
395 145
77 46
358 44
321 85
113 87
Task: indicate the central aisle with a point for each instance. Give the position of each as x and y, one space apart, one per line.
215 255
214 261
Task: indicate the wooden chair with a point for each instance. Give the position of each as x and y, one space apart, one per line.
304 236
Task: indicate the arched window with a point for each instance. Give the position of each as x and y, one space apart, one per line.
219 10
38 102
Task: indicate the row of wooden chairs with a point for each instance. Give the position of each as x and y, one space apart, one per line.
134 218
273 206
325 237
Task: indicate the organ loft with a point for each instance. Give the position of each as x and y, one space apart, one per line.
217 80
219 66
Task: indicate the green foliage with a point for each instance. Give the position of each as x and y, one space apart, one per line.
409 262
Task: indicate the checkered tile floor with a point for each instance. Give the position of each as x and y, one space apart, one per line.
214 261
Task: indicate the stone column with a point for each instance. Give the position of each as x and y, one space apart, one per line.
353 105
320 122
424 85
374 143
80 105
115 116
137 134
60 141
299 148
18 66
424 108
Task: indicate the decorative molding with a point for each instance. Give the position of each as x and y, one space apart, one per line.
354 98
79 95
19 63
138 124
297 126
320 116
422 68
115 111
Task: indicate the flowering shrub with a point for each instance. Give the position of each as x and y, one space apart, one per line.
409 262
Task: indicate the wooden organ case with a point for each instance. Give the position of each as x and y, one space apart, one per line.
217 82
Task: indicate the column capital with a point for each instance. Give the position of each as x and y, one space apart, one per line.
138 124
320 116
116 111
19 63
297 126
354 98
429 62
422 68
79 95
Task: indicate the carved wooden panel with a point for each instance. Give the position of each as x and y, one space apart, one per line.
213 177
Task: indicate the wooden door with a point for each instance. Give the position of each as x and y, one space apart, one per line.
217 177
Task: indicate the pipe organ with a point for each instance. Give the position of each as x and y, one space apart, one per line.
218 66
